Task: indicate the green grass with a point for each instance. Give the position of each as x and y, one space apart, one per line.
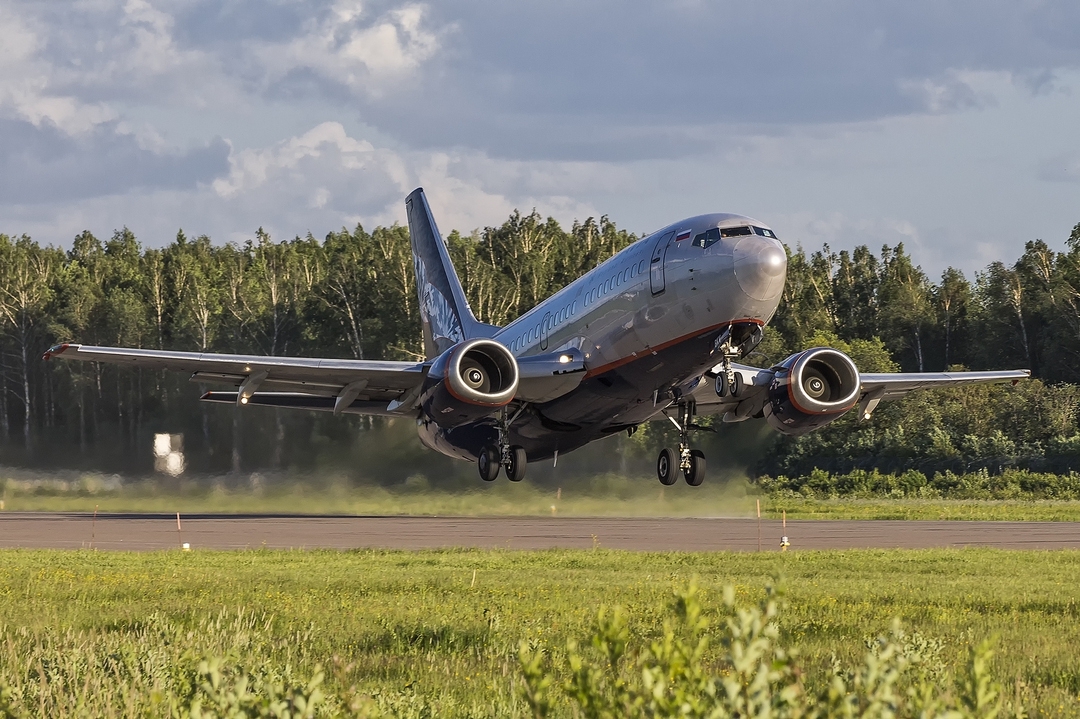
600 496
1039 510
438 632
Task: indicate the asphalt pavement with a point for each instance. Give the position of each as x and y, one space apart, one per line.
141 532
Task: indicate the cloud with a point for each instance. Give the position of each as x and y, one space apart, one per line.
317 181
342 46
45 165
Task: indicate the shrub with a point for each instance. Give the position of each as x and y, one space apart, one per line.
756 676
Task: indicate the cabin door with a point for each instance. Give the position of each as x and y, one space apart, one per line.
656 264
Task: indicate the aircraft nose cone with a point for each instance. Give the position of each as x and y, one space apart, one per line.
760 267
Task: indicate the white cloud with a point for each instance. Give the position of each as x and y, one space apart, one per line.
340 47
26 91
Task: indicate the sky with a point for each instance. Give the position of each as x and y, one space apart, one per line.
951 127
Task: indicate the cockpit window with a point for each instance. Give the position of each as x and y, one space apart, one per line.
763 232
735 231
707 238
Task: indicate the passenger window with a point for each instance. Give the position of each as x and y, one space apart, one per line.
641 267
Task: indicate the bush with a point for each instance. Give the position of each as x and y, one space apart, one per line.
756 675
1015 484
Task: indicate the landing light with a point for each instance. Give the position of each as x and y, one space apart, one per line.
564 359
243 400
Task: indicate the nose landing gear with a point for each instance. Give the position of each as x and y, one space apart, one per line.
691 462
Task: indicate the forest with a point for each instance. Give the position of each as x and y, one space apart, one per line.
351 294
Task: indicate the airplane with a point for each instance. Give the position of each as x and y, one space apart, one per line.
652 334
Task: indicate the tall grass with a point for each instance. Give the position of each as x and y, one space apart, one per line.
414 634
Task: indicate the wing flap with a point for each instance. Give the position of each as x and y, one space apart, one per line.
300 400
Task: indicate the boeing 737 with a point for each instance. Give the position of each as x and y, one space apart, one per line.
652 334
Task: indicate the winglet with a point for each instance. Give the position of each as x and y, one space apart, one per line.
55 350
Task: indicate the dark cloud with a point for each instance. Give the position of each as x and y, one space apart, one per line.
548 79
44 164
604 79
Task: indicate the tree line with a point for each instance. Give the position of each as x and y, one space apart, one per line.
351 294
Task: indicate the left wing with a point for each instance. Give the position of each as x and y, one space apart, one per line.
878 386
337 385
372 387
875 387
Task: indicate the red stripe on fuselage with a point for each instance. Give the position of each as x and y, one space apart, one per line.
593 372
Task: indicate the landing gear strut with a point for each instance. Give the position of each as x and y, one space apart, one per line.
503 455
691 462
729 382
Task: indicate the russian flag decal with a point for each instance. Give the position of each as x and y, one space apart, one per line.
683 235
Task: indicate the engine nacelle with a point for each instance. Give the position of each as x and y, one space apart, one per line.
811 389
469 381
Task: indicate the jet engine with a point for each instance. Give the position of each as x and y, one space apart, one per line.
811 389
469 381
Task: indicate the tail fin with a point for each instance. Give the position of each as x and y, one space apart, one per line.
444 311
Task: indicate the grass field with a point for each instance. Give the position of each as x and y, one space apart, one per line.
436 633
605 495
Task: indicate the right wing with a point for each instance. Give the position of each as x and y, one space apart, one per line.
335 385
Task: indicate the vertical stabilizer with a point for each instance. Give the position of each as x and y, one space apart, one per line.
444 311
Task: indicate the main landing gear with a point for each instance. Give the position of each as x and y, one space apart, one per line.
690 462
510 458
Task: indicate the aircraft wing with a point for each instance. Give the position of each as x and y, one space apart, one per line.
369 387
876 387
337 385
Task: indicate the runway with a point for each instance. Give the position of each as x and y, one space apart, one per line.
141 532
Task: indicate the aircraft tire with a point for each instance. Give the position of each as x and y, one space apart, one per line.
667 467
721 385
515 468
696 474
488 463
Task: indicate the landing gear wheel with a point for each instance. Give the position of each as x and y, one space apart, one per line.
666 465
488 463
724 388
515 465
695 473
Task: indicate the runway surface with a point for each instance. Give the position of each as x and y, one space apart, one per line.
214 531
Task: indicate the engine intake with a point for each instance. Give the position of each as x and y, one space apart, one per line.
468 381
811 389
482 372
